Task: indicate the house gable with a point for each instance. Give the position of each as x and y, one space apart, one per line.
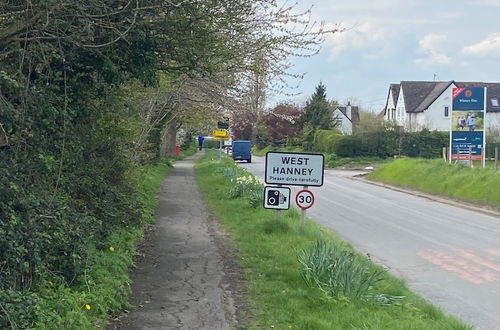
345 122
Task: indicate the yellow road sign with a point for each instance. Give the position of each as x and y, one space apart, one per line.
220 134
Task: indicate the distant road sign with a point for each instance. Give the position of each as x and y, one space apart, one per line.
295 169
304 199
222 125
220 134
277 198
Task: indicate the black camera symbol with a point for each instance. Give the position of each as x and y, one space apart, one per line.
275 198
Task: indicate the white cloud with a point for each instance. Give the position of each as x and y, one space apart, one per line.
356 38
433 46
494 3
489 47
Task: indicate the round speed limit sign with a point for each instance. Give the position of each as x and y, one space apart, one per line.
304 199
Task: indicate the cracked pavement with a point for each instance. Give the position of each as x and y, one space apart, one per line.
180 281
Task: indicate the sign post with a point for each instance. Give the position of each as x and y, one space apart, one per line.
467 137
304 200
220 135
295 169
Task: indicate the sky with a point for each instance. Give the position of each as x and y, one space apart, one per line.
387 41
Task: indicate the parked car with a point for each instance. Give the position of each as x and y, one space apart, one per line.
242 150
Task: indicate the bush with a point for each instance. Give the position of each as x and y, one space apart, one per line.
348 146
338 273
324 140
247 187
386 143
425 144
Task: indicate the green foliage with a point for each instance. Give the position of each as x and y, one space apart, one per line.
308 133
101 280
332 160
435 176
324 140
317 113
386 141
247 187
278 296
425 144
260 136
338 273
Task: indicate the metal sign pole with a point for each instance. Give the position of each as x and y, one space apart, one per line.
496 158
302 215
220 149
277 213
470 156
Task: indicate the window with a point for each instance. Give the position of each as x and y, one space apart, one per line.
446 112
494 102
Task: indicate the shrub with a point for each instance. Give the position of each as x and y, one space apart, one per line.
386 143
247 187
337 272
424 144
324 140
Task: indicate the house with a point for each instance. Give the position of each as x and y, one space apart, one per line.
348 117
427 104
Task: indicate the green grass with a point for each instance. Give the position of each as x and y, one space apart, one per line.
278 295
190 150
437 177
104 287
262 152
333 161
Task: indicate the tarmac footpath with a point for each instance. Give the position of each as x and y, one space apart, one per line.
181 280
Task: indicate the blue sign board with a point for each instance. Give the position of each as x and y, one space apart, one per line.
468 99
462 140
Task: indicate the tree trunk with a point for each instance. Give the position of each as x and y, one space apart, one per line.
168 141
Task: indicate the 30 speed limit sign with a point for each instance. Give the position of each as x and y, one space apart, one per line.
304 199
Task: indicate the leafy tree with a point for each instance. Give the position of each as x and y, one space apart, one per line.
318 113
280 122
90 88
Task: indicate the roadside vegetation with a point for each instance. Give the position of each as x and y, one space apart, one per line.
89 95
102 288
314 128
477 185
309 279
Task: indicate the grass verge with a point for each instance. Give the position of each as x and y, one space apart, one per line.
434 176
262 152
331 160
281 295
104 286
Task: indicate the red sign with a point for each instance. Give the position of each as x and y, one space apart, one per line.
304 199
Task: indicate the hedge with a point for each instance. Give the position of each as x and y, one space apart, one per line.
324 140
425 144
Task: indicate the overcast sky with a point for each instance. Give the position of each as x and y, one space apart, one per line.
387 41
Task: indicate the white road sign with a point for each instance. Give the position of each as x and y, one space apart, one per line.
277 198
295 169
304 199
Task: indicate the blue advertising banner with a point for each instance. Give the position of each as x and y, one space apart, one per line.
461 142
467 123
468 99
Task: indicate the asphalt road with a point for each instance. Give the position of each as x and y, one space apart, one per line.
447 254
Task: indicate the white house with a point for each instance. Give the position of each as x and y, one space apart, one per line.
348 117
427 104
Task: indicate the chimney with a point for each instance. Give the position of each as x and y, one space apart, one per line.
348 111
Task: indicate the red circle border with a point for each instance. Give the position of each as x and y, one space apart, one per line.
297 203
